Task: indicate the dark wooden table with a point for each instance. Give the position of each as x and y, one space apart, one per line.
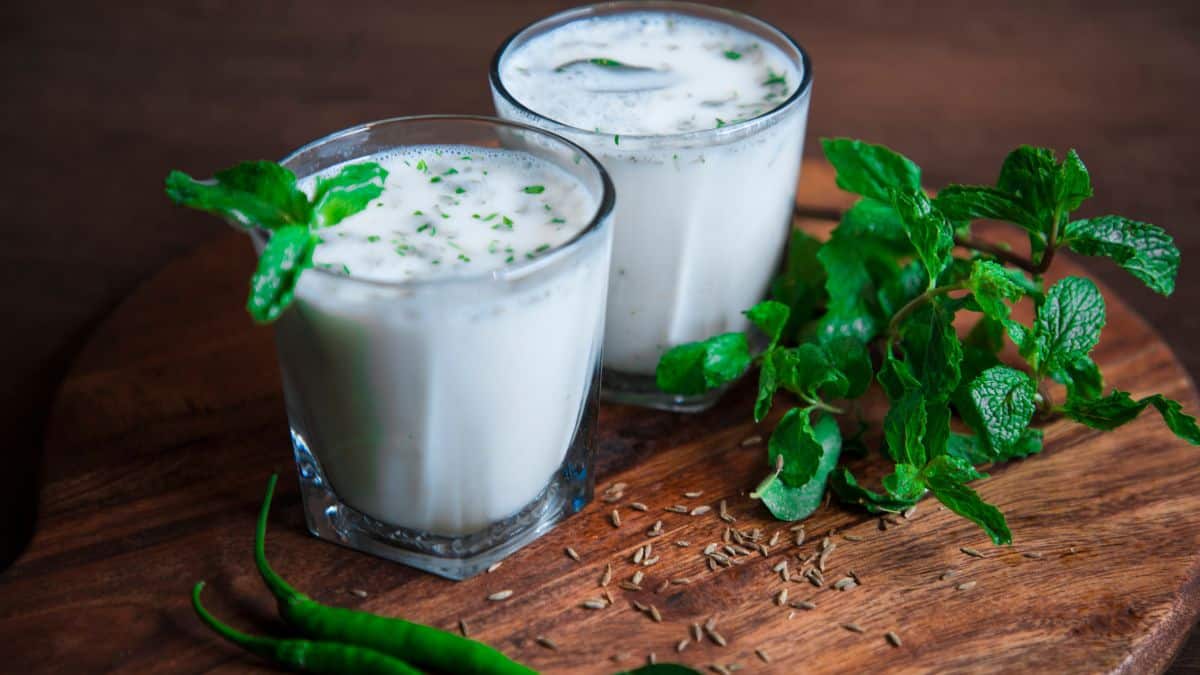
103 98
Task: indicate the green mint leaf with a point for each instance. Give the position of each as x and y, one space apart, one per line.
931 234
1002 405
287 253
993 286
768 384
1068 323
1073 184
905 483
251 194
795 440
901 289
933 349
848 490
770 317
1146 251
870 170
973 202
801 285
904 429
793 503
987 335
346 193
1030 176
1081 377
969 449
877 219
1030 443
850 357
896 377
855 268
1119 408
805 369
946 477
696 367
937 428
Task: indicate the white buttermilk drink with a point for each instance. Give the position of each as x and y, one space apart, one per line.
701 128
433 399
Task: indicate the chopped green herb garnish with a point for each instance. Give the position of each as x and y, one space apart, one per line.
732 55
450 172
446 216
435 179
459 190
418 212
428 226
373 238
774 78
616 139
345 269
558 221
422 166
534 189
543 247
509 259
490 216
720 122
463 257
466 158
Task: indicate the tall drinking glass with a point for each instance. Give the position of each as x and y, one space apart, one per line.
705 200
445 422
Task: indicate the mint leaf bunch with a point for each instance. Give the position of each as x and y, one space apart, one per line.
878 301
263 194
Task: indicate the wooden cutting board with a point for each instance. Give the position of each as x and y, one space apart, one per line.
171 420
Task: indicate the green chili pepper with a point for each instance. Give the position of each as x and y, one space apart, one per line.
306 655
415 643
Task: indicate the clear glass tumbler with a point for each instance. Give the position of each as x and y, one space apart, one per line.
703 216
444 423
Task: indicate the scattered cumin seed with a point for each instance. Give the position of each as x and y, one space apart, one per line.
802 604
681 581
827 544
701 510
693 494
971 552
571 553
716 637
494 566
966 586
500 595
651 658
615 517
710 549
682 543
638 555
639 606
546 642
1032 554
637 577
696 635
629 586
791 615
719 669
762 655
608 597
711 622
638 506
845 584
854 575
650 561
607 576
619 657
464 628
947 574
595 603
677 508
853 628
616 487
654 614
663 586
751 440
612 498
909 512
682 645
852 537
656 530
712 565
774 538
358 592
781 597
893 639
1072 550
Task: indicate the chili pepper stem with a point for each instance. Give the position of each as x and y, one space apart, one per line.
279 588
255 645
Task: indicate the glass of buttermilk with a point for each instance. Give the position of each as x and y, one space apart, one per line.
698 114
441 359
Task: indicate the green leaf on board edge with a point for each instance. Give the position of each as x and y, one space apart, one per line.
795 447
770 317
1003 403
347 192
849 491
791 503
1119 408
946 478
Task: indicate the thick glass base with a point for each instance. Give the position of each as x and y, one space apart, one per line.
641 390
453 557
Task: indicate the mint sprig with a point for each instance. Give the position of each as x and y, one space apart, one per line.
887 281
263 194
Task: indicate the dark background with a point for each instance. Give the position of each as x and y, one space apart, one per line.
102 99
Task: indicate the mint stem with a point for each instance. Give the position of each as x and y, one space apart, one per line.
915 304
998 253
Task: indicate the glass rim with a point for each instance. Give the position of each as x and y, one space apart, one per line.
508 272
737 129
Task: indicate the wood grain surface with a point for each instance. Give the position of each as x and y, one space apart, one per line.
171 419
